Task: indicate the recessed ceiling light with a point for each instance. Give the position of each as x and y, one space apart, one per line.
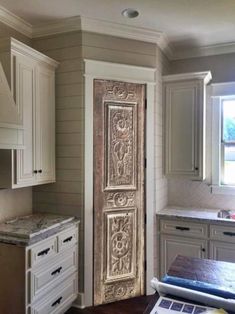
130 13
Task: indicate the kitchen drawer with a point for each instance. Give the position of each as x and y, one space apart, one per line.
58 300
57 269
222 233
67 238
184 228
43 251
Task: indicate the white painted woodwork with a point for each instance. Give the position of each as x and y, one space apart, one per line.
202 240
45 123
195 230
222 233
171 246
11 126
32 78
184 96
39 283
222 251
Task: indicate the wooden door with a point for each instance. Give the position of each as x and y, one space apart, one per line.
119 121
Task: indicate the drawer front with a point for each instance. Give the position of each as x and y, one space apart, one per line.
59 299
67 238
222 233
43 251
56 270
184 228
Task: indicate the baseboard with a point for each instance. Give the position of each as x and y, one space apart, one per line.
79 302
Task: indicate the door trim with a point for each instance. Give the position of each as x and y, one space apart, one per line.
133 74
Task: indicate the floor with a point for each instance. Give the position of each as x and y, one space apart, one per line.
130 306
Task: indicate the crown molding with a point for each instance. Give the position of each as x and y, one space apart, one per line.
15 22
79 23
203 51
57 27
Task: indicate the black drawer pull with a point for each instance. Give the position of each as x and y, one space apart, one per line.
57 301
68 239
182 228
44 252
57 271
228 233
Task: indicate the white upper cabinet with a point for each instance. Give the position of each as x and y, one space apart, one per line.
32 78
184 98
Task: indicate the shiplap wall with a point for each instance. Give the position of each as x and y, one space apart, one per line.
14 202
66 195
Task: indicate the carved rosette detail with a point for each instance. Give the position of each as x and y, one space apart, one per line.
121 146
120 199
120 248
118 291
120 90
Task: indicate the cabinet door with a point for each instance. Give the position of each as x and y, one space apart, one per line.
184 127
222 251
23 74
45 124
171 246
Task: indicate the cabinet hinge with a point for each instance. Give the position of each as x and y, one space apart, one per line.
145 163
145 219
145 103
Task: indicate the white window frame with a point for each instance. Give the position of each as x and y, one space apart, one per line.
219 92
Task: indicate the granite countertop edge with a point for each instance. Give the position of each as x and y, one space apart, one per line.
14 240
192 213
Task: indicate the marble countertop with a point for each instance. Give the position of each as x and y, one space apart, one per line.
26 230
200 214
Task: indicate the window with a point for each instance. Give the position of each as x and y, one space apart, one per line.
223 138
228 142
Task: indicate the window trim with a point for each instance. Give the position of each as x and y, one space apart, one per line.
219 92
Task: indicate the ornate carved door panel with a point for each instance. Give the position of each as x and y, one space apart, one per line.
118 190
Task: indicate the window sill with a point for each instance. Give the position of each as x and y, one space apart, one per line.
223 189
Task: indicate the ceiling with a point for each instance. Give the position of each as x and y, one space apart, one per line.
187 23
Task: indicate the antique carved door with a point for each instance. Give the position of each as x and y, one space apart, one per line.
119 123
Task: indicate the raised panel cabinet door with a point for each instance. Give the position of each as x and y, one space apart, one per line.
171 246
182 134
23 73
119 115
222 251
45 124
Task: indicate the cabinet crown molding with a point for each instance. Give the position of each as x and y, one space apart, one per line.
205 76
10 43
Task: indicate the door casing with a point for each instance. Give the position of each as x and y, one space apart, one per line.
133 74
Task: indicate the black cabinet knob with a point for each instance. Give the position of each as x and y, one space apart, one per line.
40 171
196 168
35 171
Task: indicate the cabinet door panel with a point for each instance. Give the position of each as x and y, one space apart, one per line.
171 246
45 125
222 251
24 96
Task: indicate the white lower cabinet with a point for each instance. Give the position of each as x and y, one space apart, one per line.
57 300
222 251
171 246
41 278
195 239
